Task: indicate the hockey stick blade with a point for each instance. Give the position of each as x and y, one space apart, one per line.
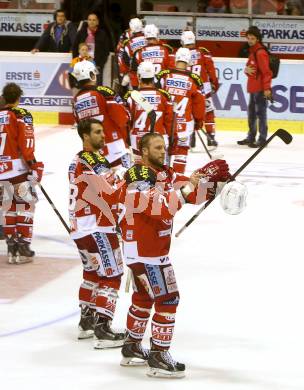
142 101
284 135
281 133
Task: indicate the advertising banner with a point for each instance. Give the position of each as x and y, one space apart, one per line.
43 78
281 30
232 98
23 24
221 29
170 27
287 48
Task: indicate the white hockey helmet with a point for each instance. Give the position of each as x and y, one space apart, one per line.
85 70
233 197
188 38
146 70
151 31
183 54
135 25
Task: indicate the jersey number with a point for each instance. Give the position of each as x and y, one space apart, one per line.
140 122
180 107
2 142
73 195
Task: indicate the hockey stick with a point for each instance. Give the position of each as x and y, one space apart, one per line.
54 208
146 106
204 145
281 133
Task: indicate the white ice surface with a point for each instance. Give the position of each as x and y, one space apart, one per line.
240 321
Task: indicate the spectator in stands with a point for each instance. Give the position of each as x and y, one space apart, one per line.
216 6
259 87
83 51
295 7
58 37
97 39
239 6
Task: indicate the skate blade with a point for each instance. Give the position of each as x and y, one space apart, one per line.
211 148
132 362
11 260
23 260
105 344
159 373
85 334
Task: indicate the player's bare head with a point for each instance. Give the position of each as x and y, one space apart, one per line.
153 149
91 133
12 93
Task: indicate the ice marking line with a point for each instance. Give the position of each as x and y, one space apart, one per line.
42 325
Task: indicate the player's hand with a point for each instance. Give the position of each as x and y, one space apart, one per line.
195 178
36 172
268 94
215 171
250 70
125 80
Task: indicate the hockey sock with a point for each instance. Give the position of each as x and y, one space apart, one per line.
162 327
24 225
88 289
137 321
9 227
106 299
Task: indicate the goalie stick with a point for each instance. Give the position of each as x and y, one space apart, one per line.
281 133
146 106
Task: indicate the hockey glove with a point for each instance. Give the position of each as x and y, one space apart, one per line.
36 172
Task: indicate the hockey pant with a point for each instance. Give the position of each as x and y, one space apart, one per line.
102 270
179 151
18 205
153 285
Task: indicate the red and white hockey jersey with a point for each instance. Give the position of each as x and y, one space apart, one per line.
150 199
140 122
157 54
17 143
189 101
93 195
127 50
104 104
203 66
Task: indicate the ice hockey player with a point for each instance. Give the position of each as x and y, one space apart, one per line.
104 104
127 49
151 196
19 173
93 209
202 64
154 51
161 102
189 105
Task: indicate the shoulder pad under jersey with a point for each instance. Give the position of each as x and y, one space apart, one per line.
165 93
196 78
105 91
162 73
143 176
95 160
24 114
127 95
125 42
204 50
170 48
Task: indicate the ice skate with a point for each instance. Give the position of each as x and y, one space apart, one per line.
86 323
211 142
161 365
12 250
133 354
104 335
25 254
